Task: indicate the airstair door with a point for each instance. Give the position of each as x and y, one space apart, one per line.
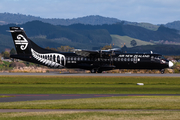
135 60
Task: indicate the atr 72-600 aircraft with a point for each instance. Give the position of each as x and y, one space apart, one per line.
93 60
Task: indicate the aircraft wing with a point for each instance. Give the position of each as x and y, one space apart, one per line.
87 53
95 53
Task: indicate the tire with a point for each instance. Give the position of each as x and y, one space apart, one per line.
93 70
162 71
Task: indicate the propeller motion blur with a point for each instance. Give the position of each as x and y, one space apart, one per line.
93 60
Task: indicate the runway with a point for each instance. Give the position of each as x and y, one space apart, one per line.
31 97
75 110
89 74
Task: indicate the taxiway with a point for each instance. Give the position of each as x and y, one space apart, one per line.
31 97
89 74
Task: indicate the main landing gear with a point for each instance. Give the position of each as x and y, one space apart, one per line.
93 70
162 71
96 70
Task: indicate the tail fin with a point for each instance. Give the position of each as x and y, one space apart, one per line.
21 41
27 50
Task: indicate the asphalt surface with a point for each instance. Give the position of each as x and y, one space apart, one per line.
89 74
31 97
73 110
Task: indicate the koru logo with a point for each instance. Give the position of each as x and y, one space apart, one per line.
21 40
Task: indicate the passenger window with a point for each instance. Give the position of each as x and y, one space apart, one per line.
131 59
58 59
54 58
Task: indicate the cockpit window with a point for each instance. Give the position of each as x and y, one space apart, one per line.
162 57
159 57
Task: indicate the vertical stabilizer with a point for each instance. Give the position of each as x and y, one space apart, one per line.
21 41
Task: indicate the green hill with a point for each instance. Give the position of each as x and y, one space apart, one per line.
118 40
6 18
5 42
162 49
82 36
48 35
145 25
163 33
173 25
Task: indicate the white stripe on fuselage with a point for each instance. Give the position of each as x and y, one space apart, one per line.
44 58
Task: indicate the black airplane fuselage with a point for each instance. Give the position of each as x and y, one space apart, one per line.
117 61
95 61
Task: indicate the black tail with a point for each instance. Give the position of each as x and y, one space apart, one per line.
23 44
21 41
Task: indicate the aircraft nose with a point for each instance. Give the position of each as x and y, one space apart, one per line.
170 64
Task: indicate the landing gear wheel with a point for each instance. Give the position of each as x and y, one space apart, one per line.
162 71
93 70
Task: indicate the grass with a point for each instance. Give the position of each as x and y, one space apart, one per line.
5 66
123 102
88 85
118 40
88 89
3 96
119 115
88 80
149 107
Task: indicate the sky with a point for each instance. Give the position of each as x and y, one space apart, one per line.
151 11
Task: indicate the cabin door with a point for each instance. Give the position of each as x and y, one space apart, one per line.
135 60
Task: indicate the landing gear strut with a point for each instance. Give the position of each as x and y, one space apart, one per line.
99 71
